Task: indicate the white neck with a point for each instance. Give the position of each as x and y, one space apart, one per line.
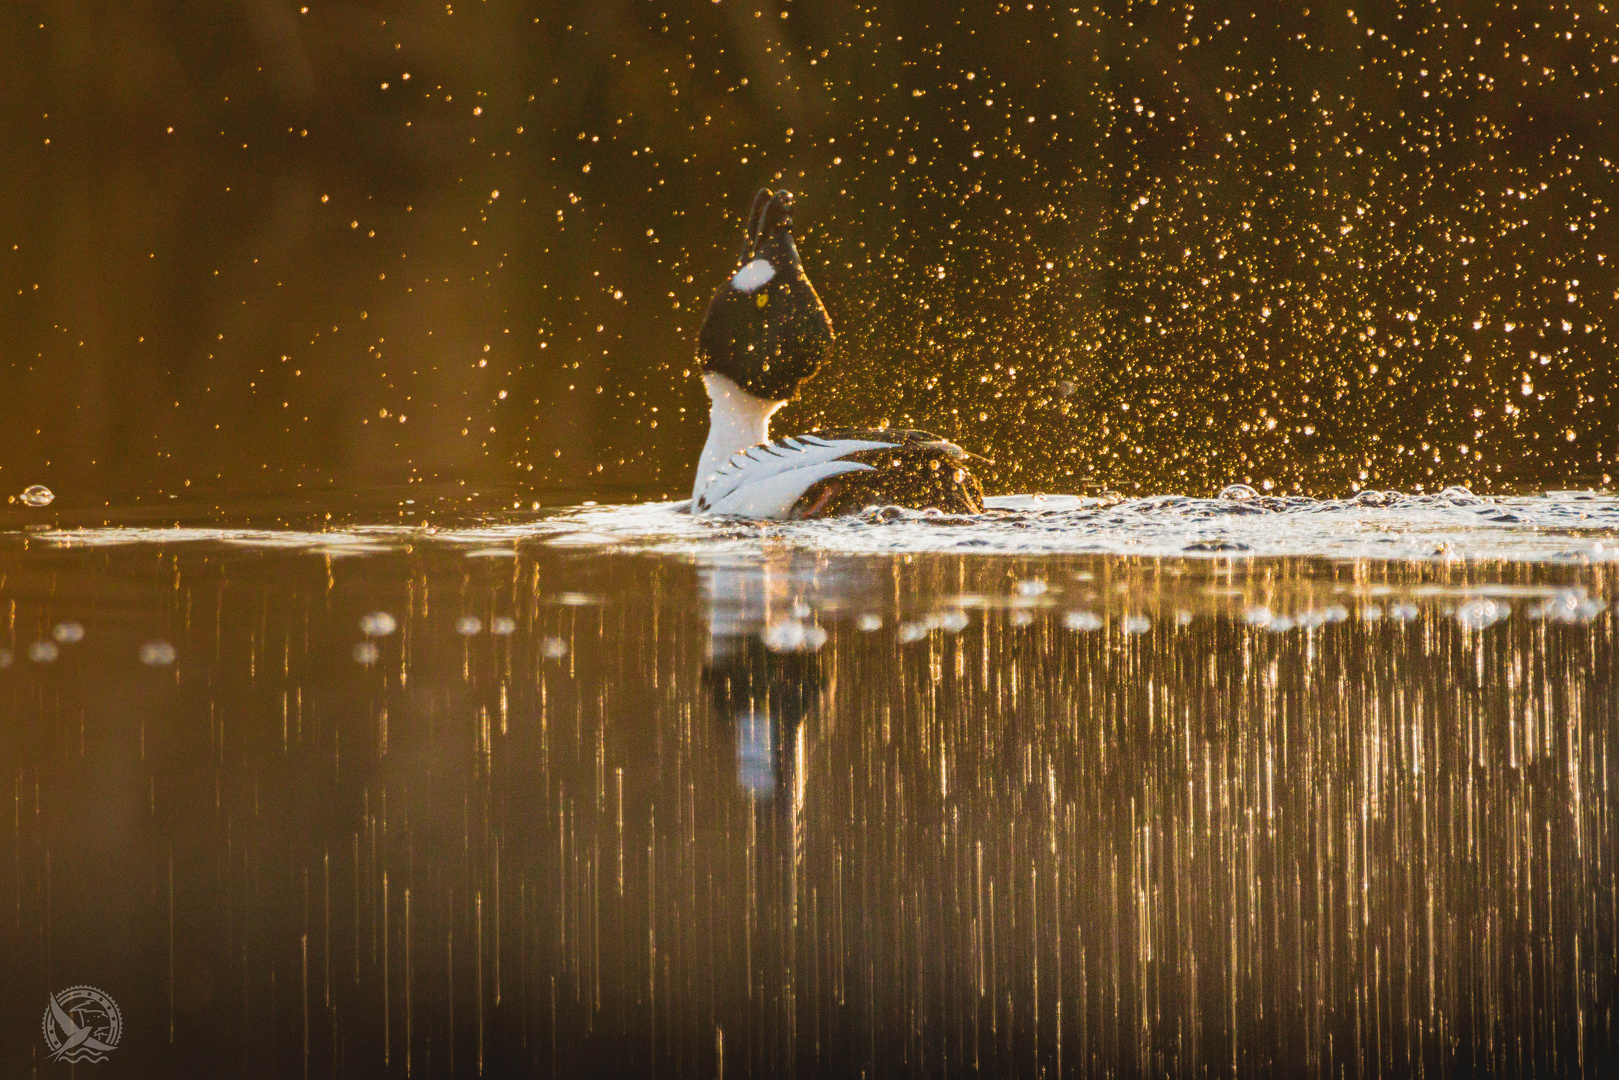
736 421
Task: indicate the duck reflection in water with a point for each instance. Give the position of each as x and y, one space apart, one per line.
764 673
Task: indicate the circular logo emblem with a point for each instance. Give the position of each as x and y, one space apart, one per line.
82 1024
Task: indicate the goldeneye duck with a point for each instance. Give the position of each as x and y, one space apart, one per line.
766 332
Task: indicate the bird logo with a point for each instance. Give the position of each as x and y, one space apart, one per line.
82 1024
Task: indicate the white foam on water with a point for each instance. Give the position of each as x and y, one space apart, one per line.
361 540
1454 525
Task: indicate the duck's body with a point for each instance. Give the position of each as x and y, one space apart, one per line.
765 333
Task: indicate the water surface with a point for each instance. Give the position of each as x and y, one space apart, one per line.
1084 787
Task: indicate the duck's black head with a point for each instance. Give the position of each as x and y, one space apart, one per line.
766 330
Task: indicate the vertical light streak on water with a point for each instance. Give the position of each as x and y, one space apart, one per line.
387 982
478 902
409 985
171 944
303 944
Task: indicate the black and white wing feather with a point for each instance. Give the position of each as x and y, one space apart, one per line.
828 473
767 481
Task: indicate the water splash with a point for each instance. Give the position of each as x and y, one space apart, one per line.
36 495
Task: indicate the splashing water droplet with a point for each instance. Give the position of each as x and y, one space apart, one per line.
157 653
378 624
37 495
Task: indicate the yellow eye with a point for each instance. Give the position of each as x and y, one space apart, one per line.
762 299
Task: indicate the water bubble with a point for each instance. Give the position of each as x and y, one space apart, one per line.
917 629
67 632
36 495
1237 493
502 625
43 652
953 622
1031 588
790 635
1481 612
1558 608
1258 616
378 624
1568 607
467 625
157 653
1371 613
1588 610
1403 612
1135 624
869 622
553 648
366 652
1022 617
1183 618
880 515
1082 620
1280 624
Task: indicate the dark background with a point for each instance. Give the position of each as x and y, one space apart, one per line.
1140 246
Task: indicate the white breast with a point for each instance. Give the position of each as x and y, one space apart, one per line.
766 481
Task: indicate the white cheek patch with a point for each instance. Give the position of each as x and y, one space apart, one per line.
750 277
